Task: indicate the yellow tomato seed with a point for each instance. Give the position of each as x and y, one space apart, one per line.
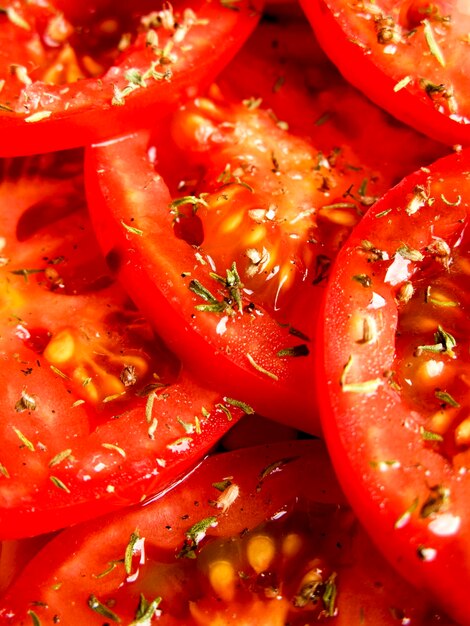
292 545
260 552
222 577
462 433
61 348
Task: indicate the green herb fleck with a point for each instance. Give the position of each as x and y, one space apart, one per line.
437 499
329 596
59 484
149 406
130 550
446 398
405 517
59 372
449 203
366 386
195 535
111 566
101 609
322 119
246 408
401 84
132 229
26 273
230 4
363 279
429 299
225 410
410 254
15 18
179 445
4 471
34 618
260 368
252 103
112 446
61 456
432 43
429 435
272 468
145 611
294 351
194 201
24 440
383 213
222 485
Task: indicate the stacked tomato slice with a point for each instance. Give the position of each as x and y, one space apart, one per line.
229 243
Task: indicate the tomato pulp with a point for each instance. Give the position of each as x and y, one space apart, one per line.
228 251
410 57
76 73
393 376
95 412
245 539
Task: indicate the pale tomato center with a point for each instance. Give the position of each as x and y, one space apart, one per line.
269 203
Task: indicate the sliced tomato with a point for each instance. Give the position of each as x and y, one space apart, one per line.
75 73
394 376
95 412
227 251
245 539
283 66
15 554
409 56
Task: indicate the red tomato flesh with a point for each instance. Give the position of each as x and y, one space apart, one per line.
409 56
95 411
227 252
76 73
246 539
393 376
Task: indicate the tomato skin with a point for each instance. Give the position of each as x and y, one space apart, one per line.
399 463
351 43
158 275
52 117
170 305
271 481
79 424
294 74
15 554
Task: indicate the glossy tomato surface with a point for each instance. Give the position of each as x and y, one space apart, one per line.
259 536
223 223
95 411
393 376
409 56
72 73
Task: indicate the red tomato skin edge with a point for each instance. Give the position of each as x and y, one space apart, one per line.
98 122
32 520
399 547
267 397
387 541
358 68
307 465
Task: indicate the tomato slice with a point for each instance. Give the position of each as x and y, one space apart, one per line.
394 376
95 412
76 73
410 57
228 251
245 539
